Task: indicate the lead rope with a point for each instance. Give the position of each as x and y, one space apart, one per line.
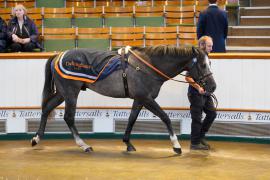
213 96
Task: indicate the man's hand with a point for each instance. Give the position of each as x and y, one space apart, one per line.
195 85
201 90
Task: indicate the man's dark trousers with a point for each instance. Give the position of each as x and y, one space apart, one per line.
199 104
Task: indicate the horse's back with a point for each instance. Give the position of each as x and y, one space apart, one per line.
84 62
89 56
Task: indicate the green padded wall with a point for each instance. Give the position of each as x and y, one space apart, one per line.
150 21
119 21
58 45
57 23
88 22
50 3
100 44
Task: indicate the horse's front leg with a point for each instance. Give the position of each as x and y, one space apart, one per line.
136 108
153 106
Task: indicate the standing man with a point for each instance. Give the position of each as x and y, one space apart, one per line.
213 22
200 102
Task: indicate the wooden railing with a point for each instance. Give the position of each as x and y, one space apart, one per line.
129 107
214 56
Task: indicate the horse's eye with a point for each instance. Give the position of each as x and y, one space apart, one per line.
204 66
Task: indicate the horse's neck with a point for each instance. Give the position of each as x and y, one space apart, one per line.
172 66
169 65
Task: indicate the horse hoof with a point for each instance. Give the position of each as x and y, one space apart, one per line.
33 142
177 150
89 149
131 148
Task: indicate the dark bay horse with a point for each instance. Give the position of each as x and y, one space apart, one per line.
143 83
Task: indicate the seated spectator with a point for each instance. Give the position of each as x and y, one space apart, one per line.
22 31
3 35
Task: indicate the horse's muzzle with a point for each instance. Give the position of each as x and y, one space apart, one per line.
212 89
209 84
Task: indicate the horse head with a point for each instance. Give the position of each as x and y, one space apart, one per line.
200 70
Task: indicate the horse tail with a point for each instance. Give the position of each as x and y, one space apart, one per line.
49 86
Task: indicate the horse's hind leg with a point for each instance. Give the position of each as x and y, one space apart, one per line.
69 117
152 105
52 103
136 108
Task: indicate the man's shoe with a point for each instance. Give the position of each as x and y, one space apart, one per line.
198 147
204 142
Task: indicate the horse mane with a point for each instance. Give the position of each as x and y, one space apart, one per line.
162 50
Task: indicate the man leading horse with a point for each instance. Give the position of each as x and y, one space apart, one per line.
200 101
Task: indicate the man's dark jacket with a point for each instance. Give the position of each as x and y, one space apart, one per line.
213 22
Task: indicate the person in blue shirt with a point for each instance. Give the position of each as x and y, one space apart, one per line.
213 22
200 102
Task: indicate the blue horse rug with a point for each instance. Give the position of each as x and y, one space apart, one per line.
87 65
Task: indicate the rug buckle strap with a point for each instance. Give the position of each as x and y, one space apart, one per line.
124 75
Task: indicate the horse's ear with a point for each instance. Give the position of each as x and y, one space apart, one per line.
195 51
